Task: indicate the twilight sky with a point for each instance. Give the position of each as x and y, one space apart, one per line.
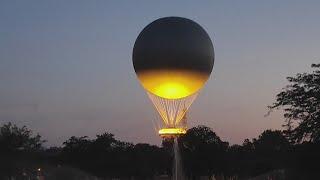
66 67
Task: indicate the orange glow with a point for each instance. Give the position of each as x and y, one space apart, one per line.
172 131
172 84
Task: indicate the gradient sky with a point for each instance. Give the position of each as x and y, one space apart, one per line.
66 67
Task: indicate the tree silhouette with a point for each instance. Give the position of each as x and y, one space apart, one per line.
203 154
203 151
301 101
248 146
17 145
108 157
270 141
13 138
270 151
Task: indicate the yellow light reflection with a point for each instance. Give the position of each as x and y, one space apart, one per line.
172 131
172 84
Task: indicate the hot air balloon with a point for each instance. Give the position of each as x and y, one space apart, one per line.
173 58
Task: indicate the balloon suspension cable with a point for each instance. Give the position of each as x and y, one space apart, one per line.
172 111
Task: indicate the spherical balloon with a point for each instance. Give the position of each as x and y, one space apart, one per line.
173 57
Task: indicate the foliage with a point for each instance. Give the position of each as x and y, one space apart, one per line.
270 141
259 155
13 138
105 156
203 151
300 101
17 146
203 154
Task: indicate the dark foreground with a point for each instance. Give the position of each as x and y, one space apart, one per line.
204 156
68 173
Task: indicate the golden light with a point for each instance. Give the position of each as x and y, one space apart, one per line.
172 84
172 132
171 90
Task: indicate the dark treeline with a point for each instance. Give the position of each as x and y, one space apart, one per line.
203 154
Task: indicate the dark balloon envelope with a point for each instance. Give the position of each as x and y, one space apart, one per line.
173 57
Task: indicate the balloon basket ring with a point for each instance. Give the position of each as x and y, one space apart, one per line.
171 132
